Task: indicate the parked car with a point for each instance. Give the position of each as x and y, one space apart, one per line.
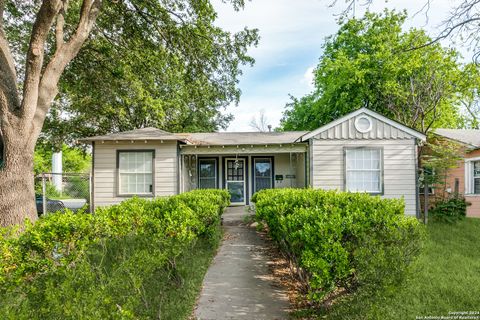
52 205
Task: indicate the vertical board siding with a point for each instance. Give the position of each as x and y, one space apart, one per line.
347 131
398 163
105 169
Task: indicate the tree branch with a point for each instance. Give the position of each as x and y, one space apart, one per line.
60 24
8 75
61 58
35 55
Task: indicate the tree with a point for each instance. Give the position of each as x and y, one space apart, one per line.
366 64
461 23
260 124
38 39
162 86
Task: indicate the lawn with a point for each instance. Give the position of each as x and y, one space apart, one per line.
446 278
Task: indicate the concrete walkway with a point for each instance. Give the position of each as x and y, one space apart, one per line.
238 284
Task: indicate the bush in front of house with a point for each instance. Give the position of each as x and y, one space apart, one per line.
449 210
101 265
338 240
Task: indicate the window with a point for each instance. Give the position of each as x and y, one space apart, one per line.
263 174
135 172
363 170
363 124
476 177
207 173
472 176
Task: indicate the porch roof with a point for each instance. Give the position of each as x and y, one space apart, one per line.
242 138
205 139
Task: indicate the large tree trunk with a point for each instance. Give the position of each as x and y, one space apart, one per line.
21 120
17 194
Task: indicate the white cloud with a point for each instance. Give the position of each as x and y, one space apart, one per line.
308 77
292 34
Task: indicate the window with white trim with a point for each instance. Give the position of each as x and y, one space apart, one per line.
476 177
135 172
363 170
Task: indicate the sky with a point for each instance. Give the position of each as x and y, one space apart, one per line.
291 36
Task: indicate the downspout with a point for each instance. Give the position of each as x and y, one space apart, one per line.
92 181
179 171
417 191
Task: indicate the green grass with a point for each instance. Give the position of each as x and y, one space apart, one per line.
445 278
118 281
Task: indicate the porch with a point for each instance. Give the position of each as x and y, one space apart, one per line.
243 170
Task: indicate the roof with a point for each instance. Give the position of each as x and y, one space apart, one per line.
137 134
470 137
371 113
239 138
213 138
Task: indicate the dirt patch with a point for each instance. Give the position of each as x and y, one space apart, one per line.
280 268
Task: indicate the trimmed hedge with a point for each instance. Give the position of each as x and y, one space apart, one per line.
341 240
50 263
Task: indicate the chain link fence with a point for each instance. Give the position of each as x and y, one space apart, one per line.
60 191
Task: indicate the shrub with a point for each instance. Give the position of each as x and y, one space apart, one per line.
338 239
449 210
94 266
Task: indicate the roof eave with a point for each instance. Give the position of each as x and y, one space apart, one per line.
466 144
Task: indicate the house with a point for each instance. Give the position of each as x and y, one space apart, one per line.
362 151
465 177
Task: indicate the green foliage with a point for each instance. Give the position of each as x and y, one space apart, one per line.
370 63
445 279
51 191
439 156
74 159
449 210
73 266
341 240
160 63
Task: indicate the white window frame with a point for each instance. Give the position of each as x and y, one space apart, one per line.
380 170
119 173
470 177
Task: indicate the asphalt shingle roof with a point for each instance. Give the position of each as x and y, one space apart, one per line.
212 138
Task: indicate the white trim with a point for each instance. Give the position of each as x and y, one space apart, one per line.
357 119
470 177
371 113
472 159
127 172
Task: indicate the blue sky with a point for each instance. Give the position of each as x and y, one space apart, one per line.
292 33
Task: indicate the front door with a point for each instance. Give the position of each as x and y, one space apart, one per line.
235 180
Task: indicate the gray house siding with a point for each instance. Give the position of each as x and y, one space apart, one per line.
301 159
105 175
399 178
346 130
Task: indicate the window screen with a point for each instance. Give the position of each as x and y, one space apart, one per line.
135 170
207 173
363 170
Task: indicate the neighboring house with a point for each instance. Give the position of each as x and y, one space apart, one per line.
362 151
465 178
